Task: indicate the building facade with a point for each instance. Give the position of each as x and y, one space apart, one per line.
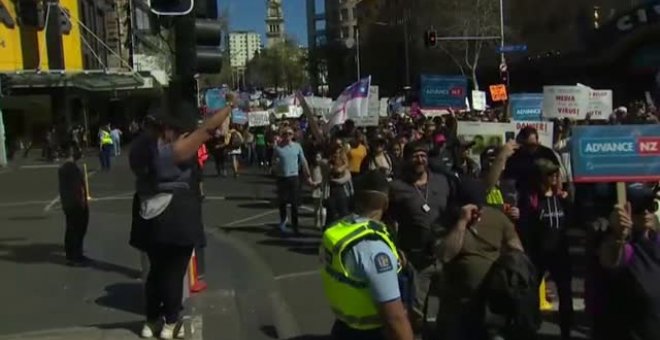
243 46
274 23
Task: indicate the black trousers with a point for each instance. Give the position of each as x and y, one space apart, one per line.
288 191
164 287
77 220
558 264
341 331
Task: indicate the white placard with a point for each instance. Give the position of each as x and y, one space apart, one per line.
600 104
384 105
478 100
258 118
373 111
565 102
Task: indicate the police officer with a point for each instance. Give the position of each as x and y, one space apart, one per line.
361 264
106 147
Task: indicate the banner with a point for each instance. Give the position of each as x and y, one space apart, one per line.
565 102
600 104
526 106
620 153
486 134
439 91
374 103
258 118
478 100
544 129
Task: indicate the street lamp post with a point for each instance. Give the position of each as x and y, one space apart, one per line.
357 51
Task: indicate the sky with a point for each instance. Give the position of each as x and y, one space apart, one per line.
250 15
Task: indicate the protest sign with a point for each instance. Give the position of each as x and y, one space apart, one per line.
438 91
620 153
526 106
545 130
384 105
498 93
479 100
483 134
565 102
215 99
600 104
258 118
374 103
239 116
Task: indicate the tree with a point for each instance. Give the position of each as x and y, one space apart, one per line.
467 18
280 66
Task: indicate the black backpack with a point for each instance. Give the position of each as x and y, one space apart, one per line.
510 290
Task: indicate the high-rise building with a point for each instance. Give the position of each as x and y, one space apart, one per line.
274 22
341 20
243 46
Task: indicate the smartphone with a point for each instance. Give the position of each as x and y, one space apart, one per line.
509 136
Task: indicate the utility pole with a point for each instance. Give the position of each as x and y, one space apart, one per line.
357 51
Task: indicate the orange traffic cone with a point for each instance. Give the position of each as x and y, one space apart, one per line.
196 285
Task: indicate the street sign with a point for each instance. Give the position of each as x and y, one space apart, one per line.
620 153
511 48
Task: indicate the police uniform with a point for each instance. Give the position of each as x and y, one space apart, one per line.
105 140
360 271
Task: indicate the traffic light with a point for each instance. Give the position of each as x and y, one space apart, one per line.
208 34
431 38
171 7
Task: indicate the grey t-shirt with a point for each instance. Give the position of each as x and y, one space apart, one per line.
408 207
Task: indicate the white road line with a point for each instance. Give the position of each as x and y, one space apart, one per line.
251 218
40 166
197 328
296 275
19 204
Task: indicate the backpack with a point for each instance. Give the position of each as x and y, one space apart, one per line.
510 289
235 141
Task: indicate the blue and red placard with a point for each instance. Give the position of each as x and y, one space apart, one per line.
616 153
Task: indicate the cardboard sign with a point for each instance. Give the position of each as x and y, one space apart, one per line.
374 103
239 116
478 100
258 118
566 102
600 104
498 93
544 129
616 153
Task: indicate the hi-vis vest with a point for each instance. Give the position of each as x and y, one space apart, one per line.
106 139
349 297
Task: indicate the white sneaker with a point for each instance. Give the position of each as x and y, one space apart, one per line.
147 330
168 331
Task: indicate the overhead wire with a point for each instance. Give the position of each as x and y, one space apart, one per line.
81 24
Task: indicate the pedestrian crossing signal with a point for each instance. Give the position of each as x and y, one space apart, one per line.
431 38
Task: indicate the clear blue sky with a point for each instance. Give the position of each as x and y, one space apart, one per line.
250 15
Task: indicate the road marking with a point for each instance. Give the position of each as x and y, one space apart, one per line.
251 218
19 204
40 166
296 275
56 200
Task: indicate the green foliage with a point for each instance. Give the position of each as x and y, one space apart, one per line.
280 66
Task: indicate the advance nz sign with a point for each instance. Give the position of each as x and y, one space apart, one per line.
443 91
622 153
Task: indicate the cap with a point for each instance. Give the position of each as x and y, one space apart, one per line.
545 166
472 191
374 180
414 147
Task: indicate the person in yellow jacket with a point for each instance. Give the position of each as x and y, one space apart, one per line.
106 147
360 268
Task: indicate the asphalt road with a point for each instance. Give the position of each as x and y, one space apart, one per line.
261 285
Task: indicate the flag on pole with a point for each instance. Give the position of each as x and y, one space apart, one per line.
353 102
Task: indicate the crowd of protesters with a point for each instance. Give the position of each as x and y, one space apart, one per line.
525 199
